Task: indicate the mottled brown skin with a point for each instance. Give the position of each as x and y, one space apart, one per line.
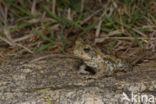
95 58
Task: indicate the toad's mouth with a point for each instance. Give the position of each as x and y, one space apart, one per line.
86 70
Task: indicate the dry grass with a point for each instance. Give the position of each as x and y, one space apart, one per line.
121 26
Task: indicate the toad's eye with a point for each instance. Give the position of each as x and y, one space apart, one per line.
87 49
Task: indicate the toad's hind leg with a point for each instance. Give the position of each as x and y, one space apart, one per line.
103 71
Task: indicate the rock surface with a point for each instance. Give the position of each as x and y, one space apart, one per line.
55 80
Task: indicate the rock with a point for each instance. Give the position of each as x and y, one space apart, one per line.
56 81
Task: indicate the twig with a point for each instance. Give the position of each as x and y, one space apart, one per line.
69 14
23 38
115 32
82 5
7 41
15 44
25 48
127 38
33 7
139 32
98 29
54 6
8 36
6 15
91 16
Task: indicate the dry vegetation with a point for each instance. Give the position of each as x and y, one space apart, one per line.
117 26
